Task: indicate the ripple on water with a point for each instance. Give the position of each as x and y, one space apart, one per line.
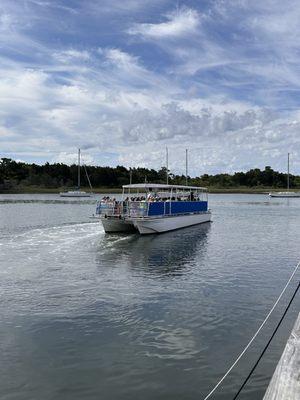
84 314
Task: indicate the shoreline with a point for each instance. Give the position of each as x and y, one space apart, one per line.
212 190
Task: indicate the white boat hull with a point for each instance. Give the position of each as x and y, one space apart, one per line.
114 225
169 223
284 194
75 194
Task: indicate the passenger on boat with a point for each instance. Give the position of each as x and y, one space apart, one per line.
117 207
149 195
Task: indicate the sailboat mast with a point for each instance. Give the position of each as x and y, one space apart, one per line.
130 179
78 169
186 166
167 164
288 174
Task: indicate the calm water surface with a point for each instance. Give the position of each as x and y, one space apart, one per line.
84 315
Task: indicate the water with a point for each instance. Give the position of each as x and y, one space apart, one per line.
84 315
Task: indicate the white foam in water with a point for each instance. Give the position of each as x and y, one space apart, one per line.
73 238
40 243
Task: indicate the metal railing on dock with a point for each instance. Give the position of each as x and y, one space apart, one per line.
285 383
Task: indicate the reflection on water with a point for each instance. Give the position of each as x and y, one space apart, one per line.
169 253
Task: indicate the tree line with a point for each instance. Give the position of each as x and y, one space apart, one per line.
14 174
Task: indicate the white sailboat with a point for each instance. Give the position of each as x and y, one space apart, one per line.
78 192
288 193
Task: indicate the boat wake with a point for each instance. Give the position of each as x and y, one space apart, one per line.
60 241
51 239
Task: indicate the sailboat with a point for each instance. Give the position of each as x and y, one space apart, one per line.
78 192
288 193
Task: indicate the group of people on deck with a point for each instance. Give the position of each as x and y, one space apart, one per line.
152 197
107 199
110 206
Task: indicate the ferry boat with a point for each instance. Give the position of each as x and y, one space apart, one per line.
154 208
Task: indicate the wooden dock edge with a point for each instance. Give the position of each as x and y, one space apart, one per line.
285 383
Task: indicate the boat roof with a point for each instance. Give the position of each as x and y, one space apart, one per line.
160 186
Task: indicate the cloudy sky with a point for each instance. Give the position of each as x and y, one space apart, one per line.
123 79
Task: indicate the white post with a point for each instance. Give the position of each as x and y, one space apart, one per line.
130 178
186 166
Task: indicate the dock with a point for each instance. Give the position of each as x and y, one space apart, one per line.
285 383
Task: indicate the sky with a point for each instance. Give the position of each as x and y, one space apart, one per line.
124 79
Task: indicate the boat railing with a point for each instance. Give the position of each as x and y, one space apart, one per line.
110 208
139 209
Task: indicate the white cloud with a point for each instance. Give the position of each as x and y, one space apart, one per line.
115 101
124 7
72 158
6 22
71 55
179 23
41 116
5 133
120 58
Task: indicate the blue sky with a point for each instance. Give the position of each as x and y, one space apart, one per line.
124 79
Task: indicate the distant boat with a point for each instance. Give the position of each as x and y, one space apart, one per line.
288 193
284 194
78 192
